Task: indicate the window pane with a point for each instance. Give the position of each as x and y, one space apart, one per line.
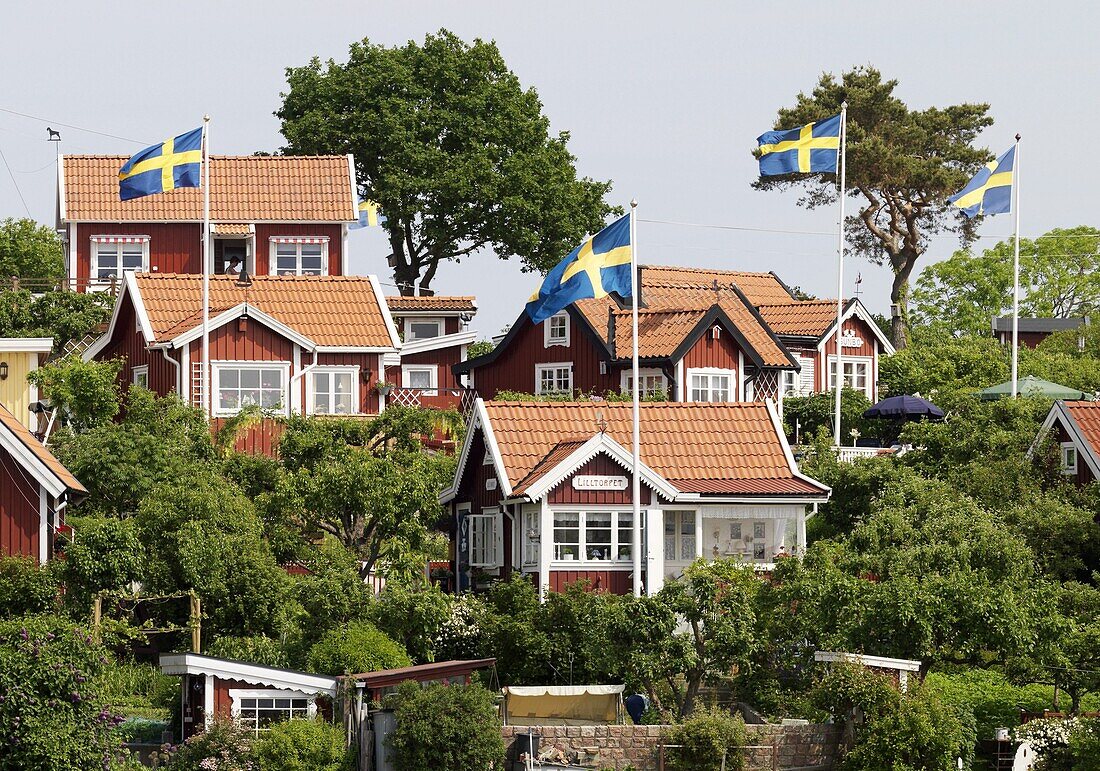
420 378
567 535
271 378
420 330
342 382
597 535
250 378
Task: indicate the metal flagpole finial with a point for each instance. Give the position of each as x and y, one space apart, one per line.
1017 137
844 105
633 203
205 118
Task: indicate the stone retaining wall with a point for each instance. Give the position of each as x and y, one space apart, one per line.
621 746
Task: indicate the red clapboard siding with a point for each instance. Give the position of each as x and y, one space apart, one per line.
718 354
614 581
245 340
173 247
265 232
598 466
853 326
223 704
18 510
129 344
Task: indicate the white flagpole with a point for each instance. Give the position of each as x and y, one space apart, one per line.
205 385
636 487
840 271
1016 271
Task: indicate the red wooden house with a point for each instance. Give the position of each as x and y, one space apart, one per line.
1075 426
271 215
34 492
435 334
544 488
310 345
1033 331
704 335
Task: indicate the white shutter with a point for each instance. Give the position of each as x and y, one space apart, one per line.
806 375
498 540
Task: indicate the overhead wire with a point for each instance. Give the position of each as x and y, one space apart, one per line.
16 183
72 126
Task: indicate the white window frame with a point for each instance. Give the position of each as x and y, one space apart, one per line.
333 369
491 518
547 339
440 326
711 372
237 694
532 523
685 515
643 373
433 373
97 241
1068 449
582 546
540 368
273 253
138 372
283 367
867 361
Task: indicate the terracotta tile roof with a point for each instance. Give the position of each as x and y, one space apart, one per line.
435 303
329 310
807 318
729 448
760 288
40 451
243 189
232 228
1087 417
560 452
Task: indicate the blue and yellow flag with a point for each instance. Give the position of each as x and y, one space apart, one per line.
812 148
157 169
594 269
370 216
990 192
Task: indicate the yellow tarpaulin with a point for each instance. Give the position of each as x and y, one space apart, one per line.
563 705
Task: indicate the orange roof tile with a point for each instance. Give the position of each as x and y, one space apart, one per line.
329 310
560 452
1087 417
433 303
243 189
809 318
729 448
760 288
40 451
232 229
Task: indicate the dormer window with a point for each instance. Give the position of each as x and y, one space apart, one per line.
423 329
556 330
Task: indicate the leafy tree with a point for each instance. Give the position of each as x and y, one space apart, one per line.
1068 649
902 162
106 555
451 728
962 294
458 155
64 316
331 594
353 648
413 615
258 649
303 745
812 413
26 588
29 250
86 393
479 348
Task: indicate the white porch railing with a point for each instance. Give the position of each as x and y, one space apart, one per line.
852 454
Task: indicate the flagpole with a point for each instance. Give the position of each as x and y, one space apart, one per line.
635 490
840 271
1016 271
205 385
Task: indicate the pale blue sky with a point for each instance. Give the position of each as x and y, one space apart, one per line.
663 98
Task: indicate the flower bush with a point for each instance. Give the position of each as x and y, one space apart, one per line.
223 746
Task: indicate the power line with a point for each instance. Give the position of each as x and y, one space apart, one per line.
72 126
14 182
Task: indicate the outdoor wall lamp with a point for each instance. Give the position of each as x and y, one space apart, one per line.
3 370
366 375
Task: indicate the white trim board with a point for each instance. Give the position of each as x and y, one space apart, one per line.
227 669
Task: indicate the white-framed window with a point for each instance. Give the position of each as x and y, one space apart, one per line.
652 381
486 539
112 256
299 256
594 536
139 376
680 536
333 390
240 384
1069 458
423 377
531 539
554 378
711 385
555 330
857 374
258 710
423 329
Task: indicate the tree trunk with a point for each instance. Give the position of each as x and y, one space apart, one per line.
903 265
405 277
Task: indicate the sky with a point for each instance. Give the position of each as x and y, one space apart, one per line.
664 99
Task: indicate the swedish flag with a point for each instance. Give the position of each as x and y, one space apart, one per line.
597 267
990 192
369 216
812 148
173 163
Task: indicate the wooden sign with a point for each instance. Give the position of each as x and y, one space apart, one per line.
593 482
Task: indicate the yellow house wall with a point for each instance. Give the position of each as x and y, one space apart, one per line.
15 392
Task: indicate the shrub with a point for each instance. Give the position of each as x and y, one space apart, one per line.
303 745
223 746
26 588
995 701
705 737
256 649
355 647
107 554
446 727
922 734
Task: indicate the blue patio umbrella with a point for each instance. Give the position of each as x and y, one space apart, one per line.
905 407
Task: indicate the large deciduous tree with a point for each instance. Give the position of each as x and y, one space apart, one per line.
30 250
902 163
455 151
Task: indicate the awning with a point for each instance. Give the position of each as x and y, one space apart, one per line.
119 239
232 229
563 704
299 239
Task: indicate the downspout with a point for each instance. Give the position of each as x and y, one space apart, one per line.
179 373
297 376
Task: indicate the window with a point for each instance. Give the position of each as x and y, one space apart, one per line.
299 256
595 536
333 391
856 374
139 376
530 537
240 385
801 382
680 536
485 539
423 329
112 256
259 710
553 378
710 385
759 540
1069 458
653 382
423 377
555 330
